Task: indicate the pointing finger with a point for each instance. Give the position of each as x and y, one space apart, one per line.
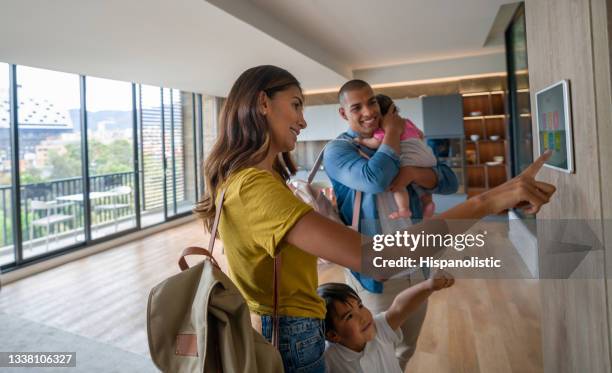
535 167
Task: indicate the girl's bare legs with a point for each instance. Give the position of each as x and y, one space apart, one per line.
429 207
402 200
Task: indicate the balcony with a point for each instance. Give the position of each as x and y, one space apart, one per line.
58 219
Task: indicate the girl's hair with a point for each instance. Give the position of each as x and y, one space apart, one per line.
335 292
384 102
243 139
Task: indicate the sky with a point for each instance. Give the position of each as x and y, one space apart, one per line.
63 89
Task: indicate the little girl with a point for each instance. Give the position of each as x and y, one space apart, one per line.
414 152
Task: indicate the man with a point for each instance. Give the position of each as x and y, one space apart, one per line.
350 171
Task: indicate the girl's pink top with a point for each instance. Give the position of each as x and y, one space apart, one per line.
410 131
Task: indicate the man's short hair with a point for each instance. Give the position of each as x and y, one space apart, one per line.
351 85
335 292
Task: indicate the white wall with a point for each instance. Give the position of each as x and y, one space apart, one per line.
411 108
324 122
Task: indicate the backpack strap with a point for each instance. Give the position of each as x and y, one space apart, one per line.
317 163
316 166
356 211
275 318
358 193
195 250
213 231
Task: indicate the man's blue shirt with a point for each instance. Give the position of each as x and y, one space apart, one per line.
349 171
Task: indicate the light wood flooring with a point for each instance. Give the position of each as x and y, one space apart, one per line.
475 326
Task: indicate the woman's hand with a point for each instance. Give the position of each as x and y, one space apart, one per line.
523 191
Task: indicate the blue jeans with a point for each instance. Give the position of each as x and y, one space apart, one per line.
301 342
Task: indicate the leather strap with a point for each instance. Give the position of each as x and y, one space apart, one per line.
317 163
316 166
213 232
357 203
195 250
358 194
356 211
275 318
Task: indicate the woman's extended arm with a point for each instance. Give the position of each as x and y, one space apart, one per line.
337 243
322 237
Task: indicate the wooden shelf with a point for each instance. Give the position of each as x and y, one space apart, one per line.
494 126
487 103
486 165
480 141
483 93
481 117
493 122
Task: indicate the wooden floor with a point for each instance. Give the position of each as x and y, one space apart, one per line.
475 326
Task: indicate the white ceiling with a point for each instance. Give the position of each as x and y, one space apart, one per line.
186 44
367 34
197 46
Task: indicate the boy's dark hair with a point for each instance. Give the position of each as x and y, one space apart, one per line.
384 102
351 85
335 292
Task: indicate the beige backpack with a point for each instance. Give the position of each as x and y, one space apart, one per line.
197 320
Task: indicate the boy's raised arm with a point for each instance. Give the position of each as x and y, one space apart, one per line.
410 299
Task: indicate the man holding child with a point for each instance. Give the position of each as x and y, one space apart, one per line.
352 166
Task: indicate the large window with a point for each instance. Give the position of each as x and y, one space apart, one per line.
50 160
96 158
152 155
180 180
7 251
167 152
518 86
110 140
521 139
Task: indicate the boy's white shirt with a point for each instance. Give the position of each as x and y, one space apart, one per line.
377 356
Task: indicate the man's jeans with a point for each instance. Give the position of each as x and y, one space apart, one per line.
301 342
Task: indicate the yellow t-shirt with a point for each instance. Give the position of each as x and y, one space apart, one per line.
258 211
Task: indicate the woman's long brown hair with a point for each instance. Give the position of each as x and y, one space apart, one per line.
244 137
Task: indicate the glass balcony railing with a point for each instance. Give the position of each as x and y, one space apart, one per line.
53 211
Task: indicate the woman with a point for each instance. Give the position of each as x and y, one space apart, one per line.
261 218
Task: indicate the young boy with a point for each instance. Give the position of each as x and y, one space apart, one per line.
414 152
359 342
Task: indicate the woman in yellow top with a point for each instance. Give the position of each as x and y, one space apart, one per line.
261 218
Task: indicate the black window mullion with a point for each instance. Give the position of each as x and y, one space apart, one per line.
141 146
164 160
172 139
85 160
136 161
201 148
195 145
15 182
